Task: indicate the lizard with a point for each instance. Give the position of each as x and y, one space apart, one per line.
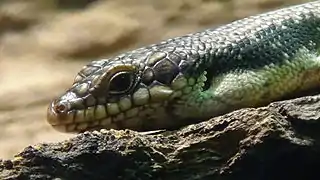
187 79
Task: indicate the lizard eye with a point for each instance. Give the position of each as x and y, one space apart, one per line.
116 80
121 82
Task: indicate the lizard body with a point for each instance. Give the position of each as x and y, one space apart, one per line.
247 63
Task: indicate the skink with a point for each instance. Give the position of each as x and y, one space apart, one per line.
187 79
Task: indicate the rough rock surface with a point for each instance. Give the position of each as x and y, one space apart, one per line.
280 141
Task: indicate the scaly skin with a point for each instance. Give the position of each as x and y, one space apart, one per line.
247 63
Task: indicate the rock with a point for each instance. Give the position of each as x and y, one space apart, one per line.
73 4
88 34
279 141
18 16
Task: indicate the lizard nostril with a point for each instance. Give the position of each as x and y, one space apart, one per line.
59 115
60 107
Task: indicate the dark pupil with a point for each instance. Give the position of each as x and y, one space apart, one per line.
120 82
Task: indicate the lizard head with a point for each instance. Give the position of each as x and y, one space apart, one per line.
120 93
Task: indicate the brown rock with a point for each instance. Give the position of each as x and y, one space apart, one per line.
88 34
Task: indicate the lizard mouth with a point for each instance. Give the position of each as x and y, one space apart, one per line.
63 118
71 115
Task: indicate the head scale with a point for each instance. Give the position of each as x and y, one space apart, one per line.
119 93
